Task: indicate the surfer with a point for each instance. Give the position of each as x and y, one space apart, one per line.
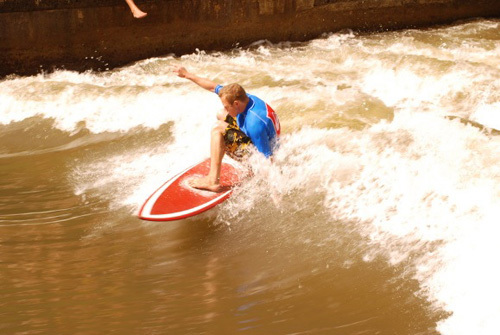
246 120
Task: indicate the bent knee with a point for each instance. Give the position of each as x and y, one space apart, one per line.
221 115
220 127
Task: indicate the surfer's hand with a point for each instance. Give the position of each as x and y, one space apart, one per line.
180 70
203 82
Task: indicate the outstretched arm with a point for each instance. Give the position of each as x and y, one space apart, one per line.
202 82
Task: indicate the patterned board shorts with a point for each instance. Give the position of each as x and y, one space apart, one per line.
237 142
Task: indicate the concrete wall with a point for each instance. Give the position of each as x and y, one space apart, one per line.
38 35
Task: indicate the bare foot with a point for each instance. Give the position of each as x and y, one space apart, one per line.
139 14
205 184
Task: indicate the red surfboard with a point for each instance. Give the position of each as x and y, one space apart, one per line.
177 200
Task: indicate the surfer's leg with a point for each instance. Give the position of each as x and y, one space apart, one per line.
217 150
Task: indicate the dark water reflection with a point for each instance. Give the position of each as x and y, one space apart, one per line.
111 273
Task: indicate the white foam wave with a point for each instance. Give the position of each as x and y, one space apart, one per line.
111 102
488 115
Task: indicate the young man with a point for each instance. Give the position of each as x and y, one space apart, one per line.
246 120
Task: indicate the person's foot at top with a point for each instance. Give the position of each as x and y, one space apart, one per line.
136 12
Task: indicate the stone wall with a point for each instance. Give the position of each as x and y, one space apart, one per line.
40 35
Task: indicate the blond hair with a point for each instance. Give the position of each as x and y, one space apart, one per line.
233 92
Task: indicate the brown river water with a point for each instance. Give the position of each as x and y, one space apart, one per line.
379 214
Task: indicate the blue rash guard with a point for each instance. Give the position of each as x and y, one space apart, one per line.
260 123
